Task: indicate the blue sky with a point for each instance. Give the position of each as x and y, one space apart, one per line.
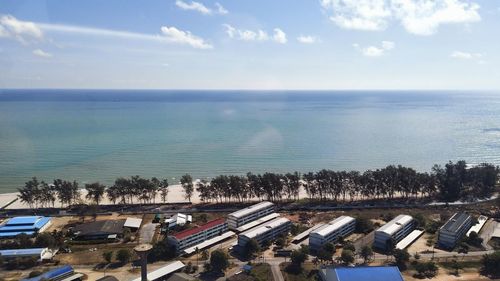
250 44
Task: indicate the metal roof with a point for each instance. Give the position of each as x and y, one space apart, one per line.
409 239
15 233
163 271
306 233
22 252
208 225
395 224
455 222
254 232
257 222
333 225
23 220
480 223
372 273
22 224
251 209
133 222
54 273
209 242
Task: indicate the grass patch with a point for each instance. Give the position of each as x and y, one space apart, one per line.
308 273
261 272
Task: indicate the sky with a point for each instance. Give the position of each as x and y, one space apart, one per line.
250 44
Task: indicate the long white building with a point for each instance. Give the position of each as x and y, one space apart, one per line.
265 232
194 236
454 229
244 216
331 232
395 230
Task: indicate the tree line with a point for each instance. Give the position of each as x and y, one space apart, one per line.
450 182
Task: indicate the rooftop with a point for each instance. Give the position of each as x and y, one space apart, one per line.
163 271
254 232
455 222
371 273
257 222
22 252
395 224
251 209
333 225
208 225
133 223
100 227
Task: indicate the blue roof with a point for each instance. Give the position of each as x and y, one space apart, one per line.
41 222
371 273
15 233
21 252
61 271
23 220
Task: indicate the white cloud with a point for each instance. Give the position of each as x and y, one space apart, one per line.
175 35
307 39
279 36
41 53
420 17
259 35
220 9
193 6
22 31
201 8
375 51
465 55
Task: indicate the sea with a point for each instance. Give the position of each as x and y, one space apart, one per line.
99 135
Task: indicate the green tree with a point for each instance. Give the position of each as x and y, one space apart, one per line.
363 225
45 240
187 185
95 192
347 256
123 255
456 266
219 261
107 256
426 269
366 253
491 264
401 257
251 248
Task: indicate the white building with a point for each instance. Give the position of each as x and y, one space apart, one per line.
331 232
265 232
244 216
178 219
133 223
395 230
454 229
194 236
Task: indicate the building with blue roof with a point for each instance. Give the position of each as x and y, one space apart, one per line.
38 253
55 274
29 225
371 273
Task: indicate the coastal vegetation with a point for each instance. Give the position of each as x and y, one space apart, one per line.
451 182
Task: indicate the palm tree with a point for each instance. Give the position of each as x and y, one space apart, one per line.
95 192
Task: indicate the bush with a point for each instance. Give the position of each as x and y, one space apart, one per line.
363 225
425 269
218 261
34 273
123 255
491 264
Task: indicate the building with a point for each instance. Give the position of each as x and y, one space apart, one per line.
265 232
178 219
29 225
61 273
162 272
393 231
194 236
454 229
132 223
38 253
371 273
99 230
244 216
331 232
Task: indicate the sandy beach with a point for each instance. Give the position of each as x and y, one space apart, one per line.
175 195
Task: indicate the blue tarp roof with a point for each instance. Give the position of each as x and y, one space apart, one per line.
14 252
61 271
371 273
12 234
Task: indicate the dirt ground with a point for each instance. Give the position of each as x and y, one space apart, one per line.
420 245
443 275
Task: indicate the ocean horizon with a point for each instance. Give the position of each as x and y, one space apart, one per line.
99 135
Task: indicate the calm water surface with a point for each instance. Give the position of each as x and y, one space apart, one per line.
100 135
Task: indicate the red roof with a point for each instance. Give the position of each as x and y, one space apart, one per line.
208 225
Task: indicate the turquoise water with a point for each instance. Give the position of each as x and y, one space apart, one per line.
101 135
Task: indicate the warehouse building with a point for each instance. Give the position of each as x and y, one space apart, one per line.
244 216
393 231
265 232
38 253
194 236
29 225
454 229
331 232
99 230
